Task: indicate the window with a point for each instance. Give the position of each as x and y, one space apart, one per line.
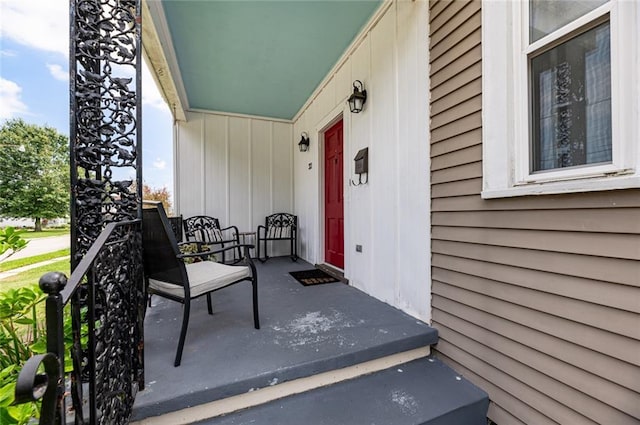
560 96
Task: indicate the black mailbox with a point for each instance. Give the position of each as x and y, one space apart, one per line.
362 161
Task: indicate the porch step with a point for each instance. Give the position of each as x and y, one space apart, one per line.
420 392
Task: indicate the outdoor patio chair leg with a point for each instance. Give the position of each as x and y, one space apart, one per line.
256 317
209 307
239 257
294 256
266 257
183 332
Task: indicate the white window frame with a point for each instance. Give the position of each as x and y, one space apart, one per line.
505 103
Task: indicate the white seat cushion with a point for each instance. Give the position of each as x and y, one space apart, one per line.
204 276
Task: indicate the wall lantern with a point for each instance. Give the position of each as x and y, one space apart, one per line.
358 98
303 144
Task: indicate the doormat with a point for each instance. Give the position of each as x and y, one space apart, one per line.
313 277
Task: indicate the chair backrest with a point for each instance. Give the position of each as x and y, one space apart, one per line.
176 226
161 248
281 225
202 228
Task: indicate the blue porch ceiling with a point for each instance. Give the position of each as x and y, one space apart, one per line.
260 57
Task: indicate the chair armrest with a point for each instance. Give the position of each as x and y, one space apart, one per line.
235 235
260 226
235 229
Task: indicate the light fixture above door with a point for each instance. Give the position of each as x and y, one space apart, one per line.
358 97
303 144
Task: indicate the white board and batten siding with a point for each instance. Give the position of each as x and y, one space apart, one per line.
236 168
388 216
537 299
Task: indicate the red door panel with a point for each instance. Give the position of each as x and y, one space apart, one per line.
333 197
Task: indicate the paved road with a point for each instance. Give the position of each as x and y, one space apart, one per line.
42 246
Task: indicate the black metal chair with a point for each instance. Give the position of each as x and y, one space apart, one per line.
205 229
176 226
168 276
278 227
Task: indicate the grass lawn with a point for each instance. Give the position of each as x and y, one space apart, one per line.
30 234
32 276
14 264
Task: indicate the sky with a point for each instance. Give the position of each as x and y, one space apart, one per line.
34 81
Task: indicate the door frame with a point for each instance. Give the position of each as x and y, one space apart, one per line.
339 112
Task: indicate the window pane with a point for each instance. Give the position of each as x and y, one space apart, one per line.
546 16
571 102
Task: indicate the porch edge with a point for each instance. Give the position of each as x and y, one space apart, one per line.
296 386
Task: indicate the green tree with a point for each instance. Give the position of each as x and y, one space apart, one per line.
34 172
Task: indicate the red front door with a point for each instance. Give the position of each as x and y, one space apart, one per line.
333 197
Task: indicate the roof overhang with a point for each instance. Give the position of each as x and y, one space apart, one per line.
260 58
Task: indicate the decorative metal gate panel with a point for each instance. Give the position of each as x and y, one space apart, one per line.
105 117
105 293
106 184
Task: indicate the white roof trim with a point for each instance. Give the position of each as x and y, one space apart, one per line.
165 70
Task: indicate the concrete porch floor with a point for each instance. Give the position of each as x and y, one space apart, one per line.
304 331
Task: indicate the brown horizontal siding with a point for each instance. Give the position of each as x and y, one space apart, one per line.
616 199
624 297
460 126
459 142
466 70
611 320
456 188
579 379
600 364
455 91
500 398
610 220
441 68
456 14
572 405
453 159
437 7
501 416
468 25
613 270
539 401
536 298
461 172
618 246
616 346
456 112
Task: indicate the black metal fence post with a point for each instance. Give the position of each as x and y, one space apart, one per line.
52 284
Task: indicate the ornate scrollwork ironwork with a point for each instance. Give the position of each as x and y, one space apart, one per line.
106 289
105 161
105 119
107 297
115 323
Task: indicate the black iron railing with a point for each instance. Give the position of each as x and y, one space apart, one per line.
106 298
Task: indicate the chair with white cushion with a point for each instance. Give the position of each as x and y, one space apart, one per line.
205 229
278 227
168 276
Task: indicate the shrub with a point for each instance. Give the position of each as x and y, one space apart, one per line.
10 240
20 332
